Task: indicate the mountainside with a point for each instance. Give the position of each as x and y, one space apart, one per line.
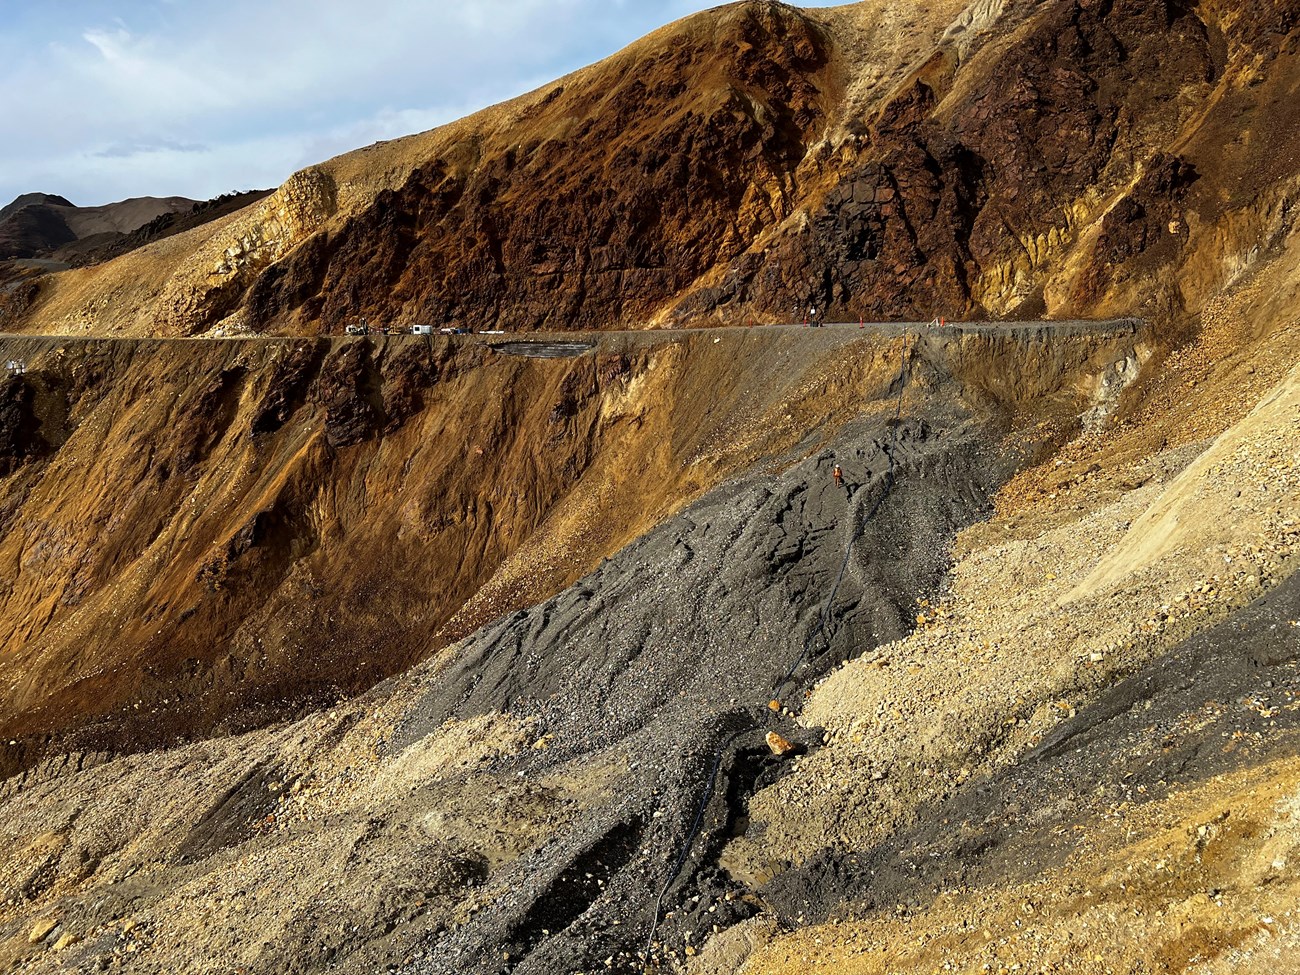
873 160
38 225
219 485
32 199
618 646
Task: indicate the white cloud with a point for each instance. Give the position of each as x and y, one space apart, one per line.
109 43
127 150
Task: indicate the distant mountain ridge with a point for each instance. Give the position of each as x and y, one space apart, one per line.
33 199
41 225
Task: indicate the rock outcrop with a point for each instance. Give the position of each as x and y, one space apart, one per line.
993 159
214 284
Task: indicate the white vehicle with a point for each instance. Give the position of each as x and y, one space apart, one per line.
421 329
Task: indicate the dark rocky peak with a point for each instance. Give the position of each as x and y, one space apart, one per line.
34 199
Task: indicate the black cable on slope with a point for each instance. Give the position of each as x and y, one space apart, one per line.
694 832
691 836
888 483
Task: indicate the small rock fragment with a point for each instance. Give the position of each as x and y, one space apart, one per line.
41 930
779 746
66 939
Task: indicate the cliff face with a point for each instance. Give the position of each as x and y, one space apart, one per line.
204 535
625 186
990 159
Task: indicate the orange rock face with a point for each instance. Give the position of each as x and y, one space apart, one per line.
758 161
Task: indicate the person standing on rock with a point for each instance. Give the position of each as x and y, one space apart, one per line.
838 474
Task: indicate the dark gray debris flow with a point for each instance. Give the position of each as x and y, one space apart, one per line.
543 350
664 660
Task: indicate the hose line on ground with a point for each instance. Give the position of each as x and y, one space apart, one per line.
888 484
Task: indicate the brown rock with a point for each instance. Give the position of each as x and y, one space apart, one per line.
780 747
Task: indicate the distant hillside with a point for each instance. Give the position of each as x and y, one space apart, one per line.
163 225
38 225
32 199
35 230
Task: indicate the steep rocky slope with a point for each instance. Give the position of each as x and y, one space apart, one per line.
219 484
1083 724
879 160
1111 742
654 693
589 717
195 531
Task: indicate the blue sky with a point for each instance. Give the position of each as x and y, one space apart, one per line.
106 100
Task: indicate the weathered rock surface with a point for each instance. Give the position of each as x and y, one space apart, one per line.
607 679
1045 723
751 162
298 519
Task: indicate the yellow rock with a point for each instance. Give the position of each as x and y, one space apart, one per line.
779 745
41 930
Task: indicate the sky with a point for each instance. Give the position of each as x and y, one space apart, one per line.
101 100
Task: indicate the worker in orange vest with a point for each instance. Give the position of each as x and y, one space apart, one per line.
838 474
